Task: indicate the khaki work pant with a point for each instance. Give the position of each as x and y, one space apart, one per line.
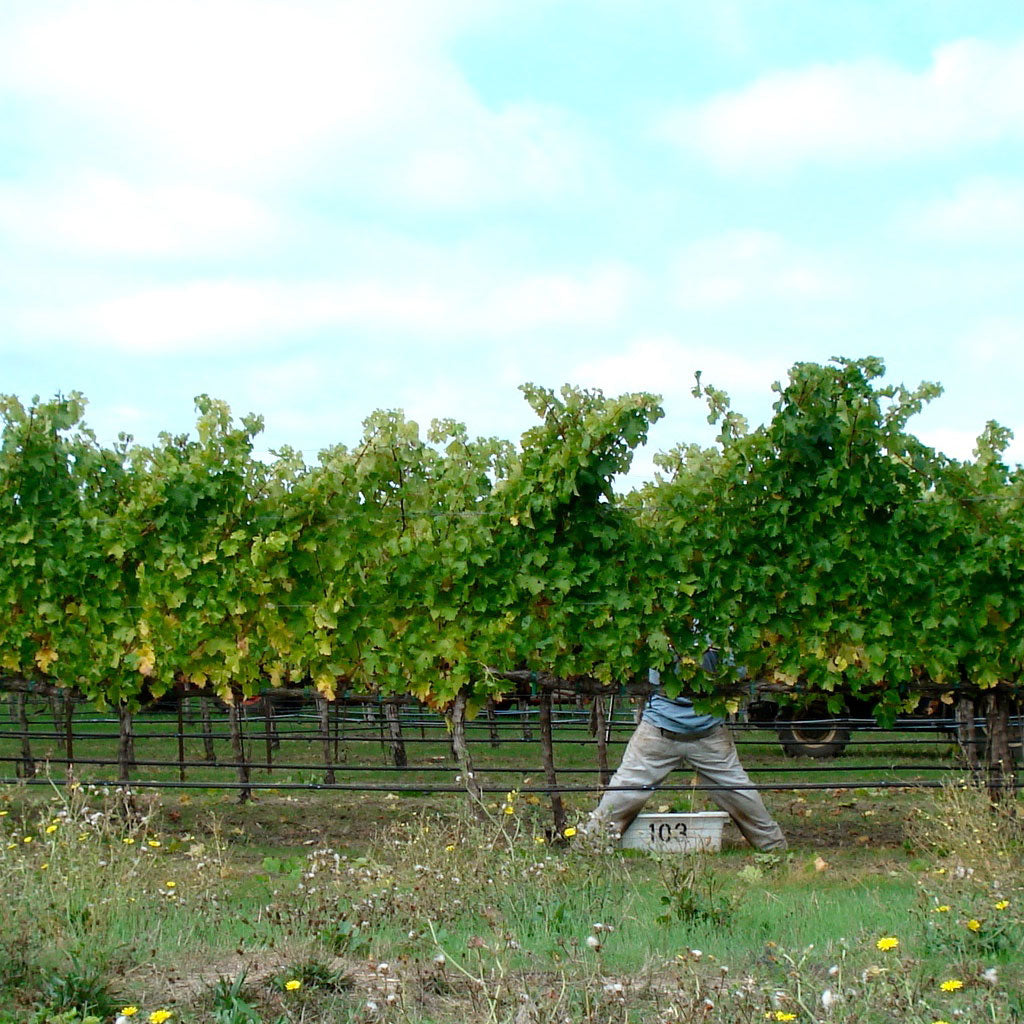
650 756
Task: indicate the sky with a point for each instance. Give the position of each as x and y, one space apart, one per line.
317 209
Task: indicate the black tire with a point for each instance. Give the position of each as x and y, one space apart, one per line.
812 732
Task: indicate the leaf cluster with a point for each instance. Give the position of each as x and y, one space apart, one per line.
829 549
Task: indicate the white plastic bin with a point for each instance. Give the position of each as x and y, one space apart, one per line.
675 833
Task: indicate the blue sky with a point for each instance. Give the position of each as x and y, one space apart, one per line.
316 209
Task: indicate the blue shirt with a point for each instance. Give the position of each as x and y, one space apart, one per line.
677 714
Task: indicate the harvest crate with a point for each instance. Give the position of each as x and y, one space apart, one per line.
675 833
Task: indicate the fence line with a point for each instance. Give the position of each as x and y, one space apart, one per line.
316 786
263 725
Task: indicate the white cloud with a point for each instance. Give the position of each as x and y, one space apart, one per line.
996 341
666 365
961 444
100 214
235 314
476 156
981 210
361 93
743 266
972 93
223 81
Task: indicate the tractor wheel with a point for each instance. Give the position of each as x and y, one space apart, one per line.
812 732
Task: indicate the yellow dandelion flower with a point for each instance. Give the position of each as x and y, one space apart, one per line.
128 841
159 1016
50 829
83 836
509 809
1002 904
3 814
569 832
154 843
43 867
28 839
886 943
292 985
940 1022
943 909
11 846
539 840
171 885
951 985
449 848
974 924
129 1011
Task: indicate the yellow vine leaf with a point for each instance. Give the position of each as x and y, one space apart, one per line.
147 660
325 684
45 657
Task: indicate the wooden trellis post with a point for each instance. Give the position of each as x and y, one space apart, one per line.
599 728
966 732
269 729
125 743
524 717
207 729
1002 777
69 736
323 707
337 715
125 760
181 737
27 766
492 723
456 717
548 757
398 753
238 748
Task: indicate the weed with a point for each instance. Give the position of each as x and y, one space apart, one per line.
228 1005
694 893
80 989
316 974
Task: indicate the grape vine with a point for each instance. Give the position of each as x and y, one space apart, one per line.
829 549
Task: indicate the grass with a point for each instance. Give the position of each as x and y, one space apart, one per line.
340 906
410 909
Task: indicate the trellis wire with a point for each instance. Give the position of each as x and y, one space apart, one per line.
566 721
